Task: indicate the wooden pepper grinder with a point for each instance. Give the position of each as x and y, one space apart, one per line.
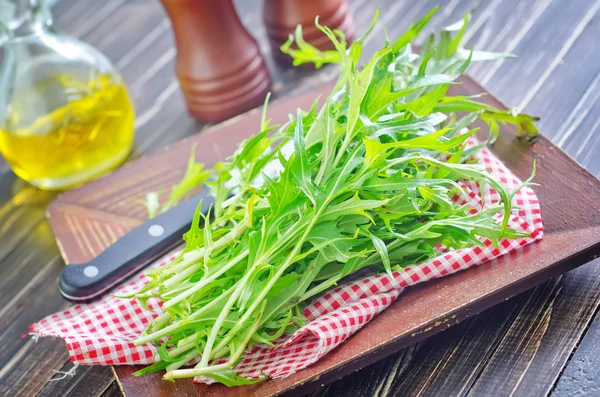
220 68
282 16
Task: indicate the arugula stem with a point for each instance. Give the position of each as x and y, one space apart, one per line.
202 369
192 256
160 321
182 349
179 277
193 372
188 259
175 326
186 359
206 354
204 282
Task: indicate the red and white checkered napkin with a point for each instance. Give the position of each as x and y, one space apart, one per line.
103 332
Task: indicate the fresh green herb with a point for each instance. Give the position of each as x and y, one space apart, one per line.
368 183
195 175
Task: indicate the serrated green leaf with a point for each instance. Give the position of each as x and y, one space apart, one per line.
230 378
366 180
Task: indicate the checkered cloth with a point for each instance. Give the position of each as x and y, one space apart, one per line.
103 332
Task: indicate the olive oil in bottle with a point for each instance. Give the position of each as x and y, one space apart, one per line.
90 134
65 114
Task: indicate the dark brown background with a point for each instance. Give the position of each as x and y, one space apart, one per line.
526 346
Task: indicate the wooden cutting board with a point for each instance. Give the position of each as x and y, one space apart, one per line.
88 219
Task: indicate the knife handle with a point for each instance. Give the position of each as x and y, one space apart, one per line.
132 252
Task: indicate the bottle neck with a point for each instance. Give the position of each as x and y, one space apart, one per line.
24 17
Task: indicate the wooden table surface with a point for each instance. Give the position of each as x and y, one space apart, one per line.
542 342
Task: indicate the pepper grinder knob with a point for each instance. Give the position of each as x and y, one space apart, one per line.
219 65
282 16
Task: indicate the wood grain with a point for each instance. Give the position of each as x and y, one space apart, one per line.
447 364
534 350
27 284
31 369
86 381
112 391
581 376
138 49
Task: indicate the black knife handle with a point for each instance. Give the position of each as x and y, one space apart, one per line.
132 252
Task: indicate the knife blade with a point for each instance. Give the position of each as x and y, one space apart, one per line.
84 282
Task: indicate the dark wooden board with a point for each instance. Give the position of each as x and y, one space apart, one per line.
87 219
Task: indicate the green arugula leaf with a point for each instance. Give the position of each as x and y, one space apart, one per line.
230 378
365 180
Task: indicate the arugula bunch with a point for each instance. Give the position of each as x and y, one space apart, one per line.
369 183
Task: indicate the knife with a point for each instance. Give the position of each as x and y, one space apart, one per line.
84 282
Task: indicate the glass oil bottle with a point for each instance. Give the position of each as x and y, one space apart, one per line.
65 114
